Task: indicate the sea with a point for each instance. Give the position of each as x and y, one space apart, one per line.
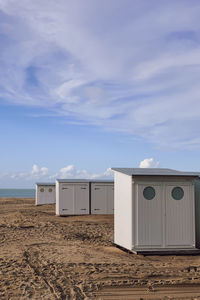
17 193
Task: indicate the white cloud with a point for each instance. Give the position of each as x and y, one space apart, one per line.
35 170
67 171
135 72
71 172
35 173
44 171
149 163
43 174
13 176
108 173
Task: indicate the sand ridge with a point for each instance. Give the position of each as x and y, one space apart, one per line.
43 256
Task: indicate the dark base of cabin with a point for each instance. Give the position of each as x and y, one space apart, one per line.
189 251
44 204
71 215
145 252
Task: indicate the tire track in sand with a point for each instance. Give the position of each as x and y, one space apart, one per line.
74 291
37 272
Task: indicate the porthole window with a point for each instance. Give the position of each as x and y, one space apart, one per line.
149 193
42 190
177 193
50 190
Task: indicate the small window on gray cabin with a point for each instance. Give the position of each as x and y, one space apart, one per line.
149 193
177 193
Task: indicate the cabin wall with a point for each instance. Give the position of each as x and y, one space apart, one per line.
48 196
123 225
102 198
72 198
57 198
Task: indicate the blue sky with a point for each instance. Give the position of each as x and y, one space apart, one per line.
89 85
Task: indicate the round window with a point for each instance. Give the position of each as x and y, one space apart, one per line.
149 193
177 193
41 190
50 190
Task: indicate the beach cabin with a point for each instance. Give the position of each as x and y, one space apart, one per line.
45 193
102 197
155 210
72 197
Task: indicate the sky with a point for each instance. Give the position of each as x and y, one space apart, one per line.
90 85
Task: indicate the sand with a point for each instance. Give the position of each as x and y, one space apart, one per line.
47 257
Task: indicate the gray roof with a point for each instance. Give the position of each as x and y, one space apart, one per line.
85 180
45 183
73 180
102 181
154 172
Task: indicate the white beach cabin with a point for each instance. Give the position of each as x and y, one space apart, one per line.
102 197
72 197
155 210
45 193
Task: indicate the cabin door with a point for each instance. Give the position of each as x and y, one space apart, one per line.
81 199
67 199
51 195
98 199
149 227
110 199
178 216
42 195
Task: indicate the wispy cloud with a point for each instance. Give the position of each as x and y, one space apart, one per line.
129 66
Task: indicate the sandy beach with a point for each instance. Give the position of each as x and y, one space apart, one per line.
43 256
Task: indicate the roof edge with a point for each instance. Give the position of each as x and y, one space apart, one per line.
154 172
